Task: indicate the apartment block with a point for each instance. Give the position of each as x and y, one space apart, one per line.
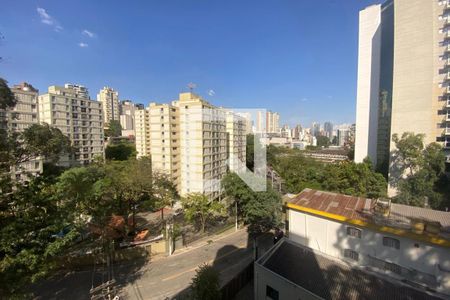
142 132
109 98
236 125
403 85
272 122
70 109
127 111
203 145
191 140
165 140
20 117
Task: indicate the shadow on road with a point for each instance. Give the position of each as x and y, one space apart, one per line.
234 265
77 284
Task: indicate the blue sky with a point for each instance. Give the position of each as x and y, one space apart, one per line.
296 57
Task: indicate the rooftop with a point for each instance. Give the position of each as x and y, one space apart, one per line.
332 279
419 223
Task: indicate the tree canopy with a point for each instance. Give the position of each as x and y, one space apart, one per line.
114 129
299 172
205 284
199 209
419 172
120 151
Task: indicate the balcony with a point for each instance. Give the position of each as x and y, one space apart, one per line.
447 131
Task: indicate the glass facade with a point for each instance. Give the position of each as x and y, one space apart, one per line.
386 82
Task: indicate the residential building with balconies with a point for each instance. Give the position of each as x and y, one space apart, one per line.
109 98
70 109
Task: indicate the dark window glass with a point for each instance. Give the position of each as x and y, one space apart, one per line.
271 293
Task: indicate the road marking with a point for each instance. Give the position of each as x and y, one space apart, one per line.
239 247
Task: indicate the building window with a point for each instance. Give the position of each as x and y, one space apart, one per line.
391 242
354 232
348 253
271 293
393 267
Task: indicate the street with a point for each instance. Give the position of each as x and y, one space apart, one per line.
163 277
166 277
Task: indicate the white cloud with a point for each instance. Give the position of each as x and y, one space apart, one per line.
83 45
88 33
211 93
304 99
48 20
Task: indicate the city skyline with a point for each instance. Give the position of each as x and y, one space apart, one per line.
143 68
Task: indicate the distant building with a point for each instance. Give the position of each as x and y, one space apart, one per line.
343 136
109 98
342 247
296 132
142 132
127 116
328 130
272 122
315 129
70 109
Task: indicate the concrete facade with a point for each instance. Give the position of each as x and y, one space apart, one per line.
70 109
368 83
109 98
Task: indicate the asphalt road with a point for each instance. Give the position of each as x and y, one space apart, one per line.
163 277
167 277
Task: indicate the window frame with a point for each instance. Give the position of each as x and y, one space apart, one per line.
391 242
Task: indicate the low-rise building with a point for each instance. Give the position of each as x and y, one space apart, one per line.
407 245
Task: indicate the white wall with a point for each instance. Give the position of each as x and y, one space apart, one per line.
330 237
286 289
368 83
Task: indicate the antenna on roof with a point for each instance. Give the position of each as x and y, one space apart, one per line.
191 86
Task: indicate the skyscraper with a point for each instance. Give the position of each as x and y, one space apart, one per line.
109 99
411 95
328 129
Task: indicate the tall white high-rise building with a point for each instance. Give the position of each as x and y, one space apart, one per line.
70 109
404 55
109 98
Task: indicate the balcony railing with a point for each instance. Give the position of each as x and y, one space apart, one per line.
447 131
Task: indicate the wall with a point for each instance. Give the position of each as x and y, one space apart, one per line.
286 289
368 83
330 237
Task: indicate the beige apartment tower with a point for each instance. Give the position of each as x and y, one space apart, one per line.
70 109
191 141
109 98
408 86
20 117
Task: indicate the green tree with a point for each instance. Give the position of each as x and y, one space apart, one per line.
121 151
199 209
7 98
114 129
205 284
323 141
262 212
420 172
